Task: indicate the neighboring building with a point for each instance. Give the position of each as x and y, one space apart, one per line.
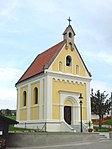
48 92
13 112
4 127
8 112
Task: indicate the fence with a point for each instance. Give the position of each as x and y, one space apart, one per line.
40 126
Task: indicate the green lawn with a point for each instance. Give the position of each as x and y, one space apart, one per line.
103 129
12 128
11 117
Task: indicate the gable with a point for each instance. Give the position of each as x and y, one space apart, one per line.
68 29
77 66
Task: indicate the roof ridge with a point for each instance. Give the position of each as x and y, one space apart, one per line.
51 47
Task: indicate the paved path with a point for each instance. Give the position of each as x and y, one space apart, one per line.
104 144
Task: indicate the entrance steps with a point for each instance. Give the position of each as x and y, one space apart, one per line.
104 135
77 128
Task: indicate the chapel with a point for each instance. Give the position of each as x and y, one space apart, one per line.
48 93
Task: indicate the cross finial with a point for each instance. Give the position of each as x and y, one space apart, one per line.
69 20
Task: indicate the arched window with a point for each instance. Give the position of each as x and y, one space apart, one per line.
70 35
24 98
68 60
35 95
77 69
60 66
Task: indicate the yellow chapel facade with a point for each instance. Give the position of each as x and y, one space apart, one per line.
48 92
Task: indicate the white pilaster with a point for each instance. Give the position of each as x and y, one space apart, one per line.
18 104
28 102
41 100
48 98
61 112
75 114
88 101
45 99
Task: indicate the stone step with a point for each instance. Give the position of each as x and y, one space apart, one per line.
77 128
104 136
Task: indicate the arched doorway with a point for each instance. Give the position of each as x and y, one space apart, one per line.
71 100
67 114
68 111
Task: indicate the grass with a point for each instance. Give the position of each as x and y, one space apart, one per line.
12 117
103 129
108 123
12 128
16 129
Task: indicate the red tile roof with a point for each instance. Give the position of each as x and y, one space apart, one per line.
42 60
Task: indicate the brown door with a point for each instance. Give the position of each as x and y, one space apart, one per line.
67 114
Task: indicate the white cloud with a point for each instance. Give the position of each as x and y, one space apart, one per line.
105 57
8 13
100 56
8 78
9 74
109 76
7 94
48 6
8 98
101 85
7 7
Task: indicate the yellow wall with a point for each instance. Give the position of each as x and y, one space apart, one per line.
56 112
23 109
68 69
23 114
69 87
34 109
34 115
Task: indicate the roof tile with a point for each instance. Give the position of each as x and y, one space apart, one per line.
40 61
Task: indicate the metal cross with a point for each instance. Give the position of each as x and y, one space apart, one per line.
69 20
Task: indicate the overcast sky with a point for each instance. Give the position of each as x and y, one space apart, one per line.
28 27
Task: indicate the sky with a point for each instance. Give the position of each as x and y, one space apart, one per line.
29 27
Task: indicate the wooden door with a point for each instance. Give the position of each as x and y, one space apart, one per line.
67 114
